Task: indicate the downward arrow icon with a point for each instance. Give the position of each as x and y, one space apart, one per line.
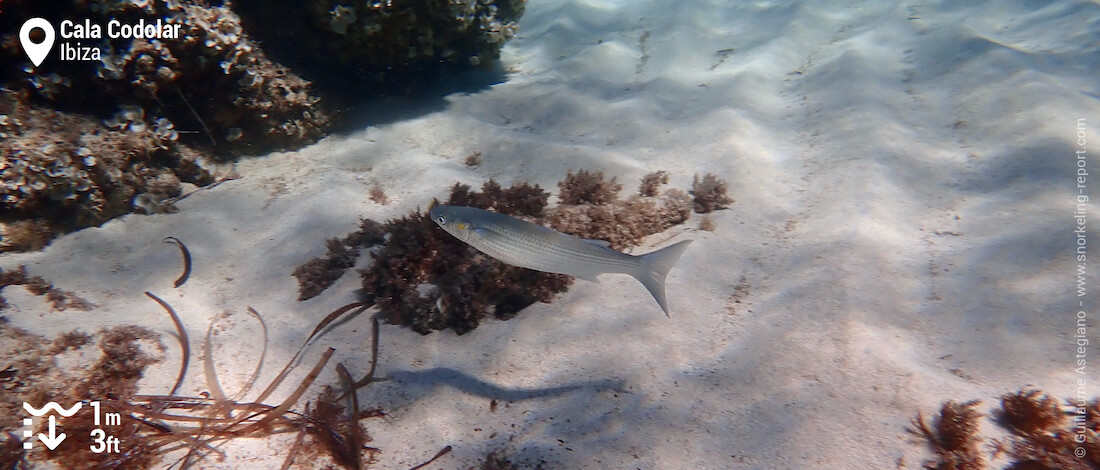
51 441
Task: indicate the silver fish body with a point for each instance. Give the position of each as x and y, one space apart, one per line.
524 244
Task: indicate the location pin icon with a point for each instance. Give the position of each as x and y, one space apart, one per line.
36 52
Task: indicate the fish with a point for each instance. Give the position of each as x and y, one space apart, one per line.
528 245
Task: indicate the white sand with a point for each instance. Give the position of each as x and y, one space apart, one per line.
902 235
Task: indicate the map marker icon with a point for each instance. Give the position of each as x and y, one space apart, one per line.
36 52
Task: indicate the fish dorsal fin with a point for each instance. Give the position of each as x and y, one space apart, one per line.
603 243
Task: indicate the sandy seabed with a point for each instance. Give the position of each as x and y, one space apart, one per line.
903 234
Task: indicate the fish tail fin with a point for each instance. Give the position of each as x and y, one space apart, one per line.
655 268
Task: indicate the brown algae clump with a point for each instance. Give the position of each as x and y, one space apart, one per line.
710 194
59 300
651 183
590 209
587 188
34 374
319 273
953 435
1039 436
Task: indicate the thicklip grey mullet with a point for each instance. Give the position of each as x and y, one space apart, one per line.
524 244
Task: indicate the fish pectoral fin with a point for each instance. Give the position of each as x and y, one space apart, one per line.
603 243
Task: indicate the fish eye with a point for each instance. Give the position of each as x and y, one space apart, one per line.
442 220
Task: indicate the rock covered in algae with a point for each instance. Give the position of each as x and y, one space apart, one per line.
211 85
383 47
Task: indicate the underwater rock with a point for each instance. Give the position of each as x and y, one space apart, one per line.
382 47
213 81
61 172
